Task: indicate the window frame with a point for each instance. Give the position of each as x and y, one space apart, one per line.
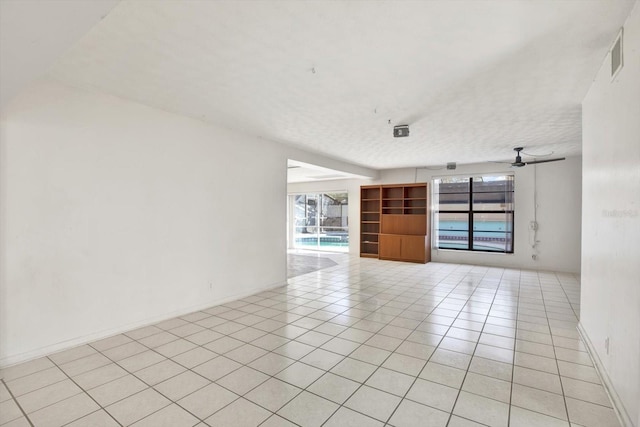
471 212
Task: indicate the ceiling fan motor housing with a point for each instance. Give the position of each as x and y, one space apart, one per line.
518 163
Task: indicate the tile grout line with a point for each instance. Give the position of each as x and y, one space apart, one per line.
361 384
495 294
390 354
437 345
224 335
166 358
568 299
360 344
132 373
434 350
553 346
237 309
392 290
515 344
217 355
187 369
16 402
225 319
84 391
555 359
476 345
355 349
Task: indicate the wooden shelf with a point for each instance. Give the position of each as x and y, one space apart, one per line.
370 212
367 255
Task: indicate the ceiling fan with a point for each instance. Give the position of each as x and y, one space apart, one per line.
519 163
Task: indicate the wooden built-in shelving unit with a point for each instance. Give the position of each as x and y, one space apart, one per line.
398 228
369 220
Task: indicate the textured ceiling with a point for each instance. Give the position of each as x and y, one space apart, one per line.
33 34
472 78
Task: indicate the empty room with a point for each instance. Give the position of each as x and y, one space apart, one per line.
320 213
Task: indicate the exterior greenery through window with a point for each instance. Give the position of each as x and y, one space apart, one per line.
474 213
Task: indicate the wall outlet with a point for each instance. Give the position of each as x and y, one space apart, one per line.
533 225
606 345
210 286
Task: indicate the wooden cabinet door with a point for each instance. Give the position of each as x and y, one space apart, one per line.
402 247
390 246
404 224
413 248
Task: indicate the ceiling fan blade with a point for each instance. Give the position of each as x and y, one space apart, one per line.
545 161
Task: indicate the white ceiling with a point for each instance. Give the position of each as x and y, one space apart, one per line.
304 172
33 34
472 78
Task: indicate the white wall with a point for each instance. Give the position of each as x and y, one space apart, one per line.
610 298
558 187
116 215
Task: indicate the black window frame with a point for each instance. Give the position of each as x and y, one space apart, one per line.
470 212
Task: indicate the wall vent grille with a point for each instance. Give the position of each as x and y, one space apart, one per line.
616 56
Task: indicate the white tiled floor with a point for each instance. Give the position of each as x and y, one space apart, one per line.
362 343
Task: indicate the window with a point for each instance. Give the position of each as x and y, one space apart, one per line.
320 221
474 213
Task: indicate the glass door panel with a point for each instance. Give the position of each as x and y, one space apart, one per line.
321 221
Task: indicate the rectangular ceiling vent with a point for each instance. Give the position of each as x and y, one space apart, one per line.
331 176
616 56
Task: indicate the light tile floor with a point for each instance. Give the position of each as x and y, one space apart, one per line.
362 343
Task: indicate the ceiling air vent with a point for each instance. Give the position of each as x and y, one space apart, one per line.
616 56
330 176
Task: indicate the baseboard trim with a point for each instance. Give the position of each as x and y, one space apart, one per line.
618 407
15 359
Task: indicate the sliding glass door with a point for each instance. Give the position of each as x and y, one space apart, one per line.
320 221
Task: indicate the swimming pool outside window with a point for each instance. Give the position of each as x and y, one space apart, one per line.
474 213
320 221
